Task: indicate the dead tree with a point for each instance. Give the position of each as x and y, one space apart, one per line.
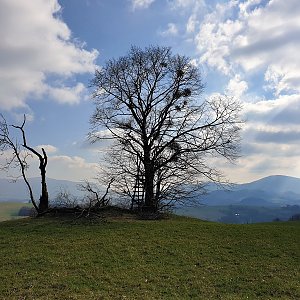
18 159
150 103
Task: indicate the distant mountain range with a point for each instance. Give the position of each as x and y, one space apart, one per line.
17 191
275 190
270 191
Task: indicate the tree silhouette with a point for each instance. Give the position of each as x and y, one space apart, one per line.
18 159
149 103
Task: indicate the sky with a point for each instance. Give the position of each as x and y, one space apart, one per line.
247 49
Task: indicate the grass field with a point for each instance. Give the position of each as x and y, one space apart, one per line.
177 258
9 210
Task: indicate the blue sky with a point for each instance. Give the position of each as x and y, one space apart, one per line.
245 48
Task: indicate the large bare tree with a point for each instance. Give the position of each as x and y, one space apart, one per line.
150 103
18 154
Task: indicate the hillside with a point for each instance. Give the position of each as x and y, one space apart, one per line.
177 258
239 214
269 191
276 183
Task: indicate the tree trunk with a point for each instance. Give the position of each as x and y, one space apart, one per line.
149 204
157 189
44 198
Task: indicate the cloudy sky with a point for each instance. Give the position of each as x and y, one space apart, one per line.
249 49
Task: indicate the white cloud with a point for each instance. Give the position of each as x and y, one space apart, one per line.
270 140
256 35
214 43
187 4
245 7
73 168
281 112
193 8
192 24
48 148
171 30
141 4
281 79
68 95
237 87
35 43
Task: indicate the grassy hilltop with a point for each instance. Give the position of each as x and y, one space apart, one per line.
176 258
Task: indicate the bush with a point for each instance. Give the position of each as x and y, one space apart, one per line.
65 199
26 211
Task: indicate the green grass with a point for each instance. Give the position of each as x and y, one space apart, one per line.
177 258
9 210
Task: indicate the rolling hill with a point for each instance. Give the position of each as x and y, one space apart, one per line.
273 191
175 258
270 198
